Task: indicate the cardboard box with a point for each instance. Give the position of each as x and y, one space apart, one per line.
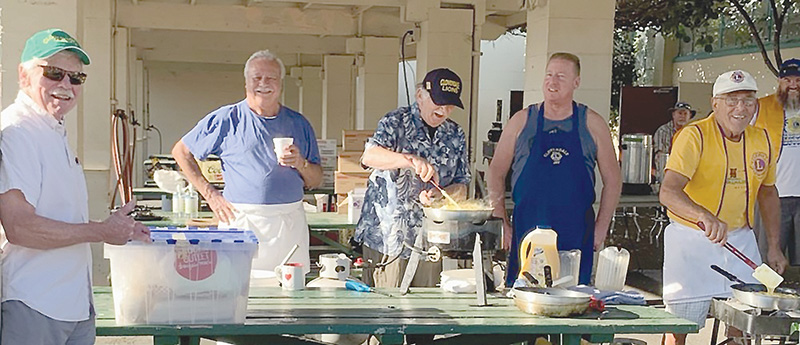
326 144
350 162
345 182
354 140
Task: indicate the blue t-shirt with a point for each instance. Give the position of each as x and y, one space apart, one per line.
243 141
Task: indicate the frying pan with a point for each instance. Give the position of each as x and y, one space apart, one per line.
554 302
441 215
755 295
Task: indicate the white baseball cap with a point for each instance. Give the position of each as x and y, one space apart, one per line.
736 80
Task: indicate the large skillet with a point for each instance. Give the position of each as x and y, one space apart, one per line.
755 295
441 215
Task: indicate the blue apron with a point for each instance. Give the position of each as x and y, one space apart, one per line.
555 189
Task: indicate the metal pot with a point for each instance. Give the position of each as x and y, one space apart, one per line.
636 151
442 215
554 302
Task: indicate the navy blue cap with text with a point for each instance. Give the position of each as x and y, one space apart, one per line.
790 67
444 86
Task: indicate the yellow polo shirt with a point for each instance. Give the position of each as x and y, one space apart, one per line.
724 176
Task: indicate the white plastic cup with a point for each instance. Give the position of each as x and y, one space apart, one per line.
291 276
280 144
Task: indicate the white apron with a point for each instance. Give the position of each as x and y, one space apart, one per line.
688 256
278 228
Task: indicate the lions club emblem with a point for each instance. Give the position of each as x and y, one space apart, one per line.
759 163
556 154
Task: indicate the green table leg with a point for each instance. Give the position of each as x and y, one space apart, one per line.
175 340
391 339
570 339
320 235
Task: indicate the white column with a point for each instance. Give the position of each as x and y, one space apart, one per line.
338 106
376 95
311 97
446 41
291 92
581 27
18 26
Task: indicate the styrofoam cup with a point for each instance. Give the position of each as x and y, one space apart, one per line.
280 144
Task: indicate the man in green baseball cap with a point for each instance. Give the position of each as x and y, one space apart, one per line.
47 43
47 261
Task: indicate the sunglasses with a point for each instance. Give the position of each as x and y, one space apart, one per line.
57 74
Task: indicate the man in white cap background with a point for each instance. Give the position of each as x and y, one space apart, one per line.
411 146
779 114
717 170
47 262
681 113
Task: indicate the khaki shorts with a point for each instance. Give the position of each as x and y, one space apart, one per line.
391 275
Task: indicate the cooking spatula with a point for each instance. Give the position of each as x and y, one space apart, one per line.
449 198
764 274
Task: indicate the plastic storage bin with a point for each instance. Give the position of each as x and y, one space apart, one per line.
186 276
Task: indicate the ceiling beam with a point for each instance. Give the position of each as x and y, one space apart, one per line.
382 3
237 42
256 19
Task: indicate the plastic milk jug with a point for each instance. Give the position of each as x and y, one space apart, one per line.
537 250
612 268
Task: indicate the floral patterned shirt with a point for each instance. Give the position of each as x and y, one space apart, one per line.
392 213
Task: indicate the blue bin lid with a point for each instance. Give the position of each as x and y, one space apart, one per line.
195 235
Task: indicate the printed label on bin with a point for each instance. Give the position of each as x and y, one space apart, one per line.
442 237
195 264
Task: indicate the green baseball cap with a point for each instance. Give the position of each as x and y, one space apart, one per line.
47 43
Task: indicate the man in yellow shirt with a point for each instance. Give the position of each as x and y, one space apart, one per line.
779 114
718 168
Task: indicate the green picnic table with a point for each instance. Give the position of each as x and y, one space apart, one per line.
275 316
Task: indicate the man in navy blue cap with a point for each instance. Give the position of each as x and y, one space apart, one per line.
411 146
779 114
681 113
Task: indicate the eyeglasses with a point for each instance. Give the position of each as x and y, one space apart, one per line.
734 101
57 74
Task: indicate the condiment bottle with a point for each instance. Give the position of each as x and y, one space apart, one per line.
538 249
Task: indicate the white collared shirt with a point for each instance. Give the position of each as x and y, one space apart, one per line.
35 158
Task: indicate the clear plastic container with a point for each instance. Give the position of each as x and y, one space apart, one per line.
612 269
570 261
191 203
538 249
177 204
186 276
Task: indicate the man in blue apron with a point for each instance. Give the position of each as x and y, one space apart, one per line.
552 148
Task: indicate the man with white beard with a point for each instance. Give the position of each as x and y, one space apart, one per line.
779 114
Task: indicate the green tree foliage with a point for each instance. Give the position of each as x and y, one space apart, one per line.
623 70
679 18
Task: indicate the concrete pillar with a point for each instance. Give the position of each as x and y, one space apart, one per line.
311 97
291 92
17 27
445 40
582 27
338 102
377 64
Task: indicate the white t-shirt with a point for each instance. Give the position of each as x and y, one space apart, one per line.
788 179
35 158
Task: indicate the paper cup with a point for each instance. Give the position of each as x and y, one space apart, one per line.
280 144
